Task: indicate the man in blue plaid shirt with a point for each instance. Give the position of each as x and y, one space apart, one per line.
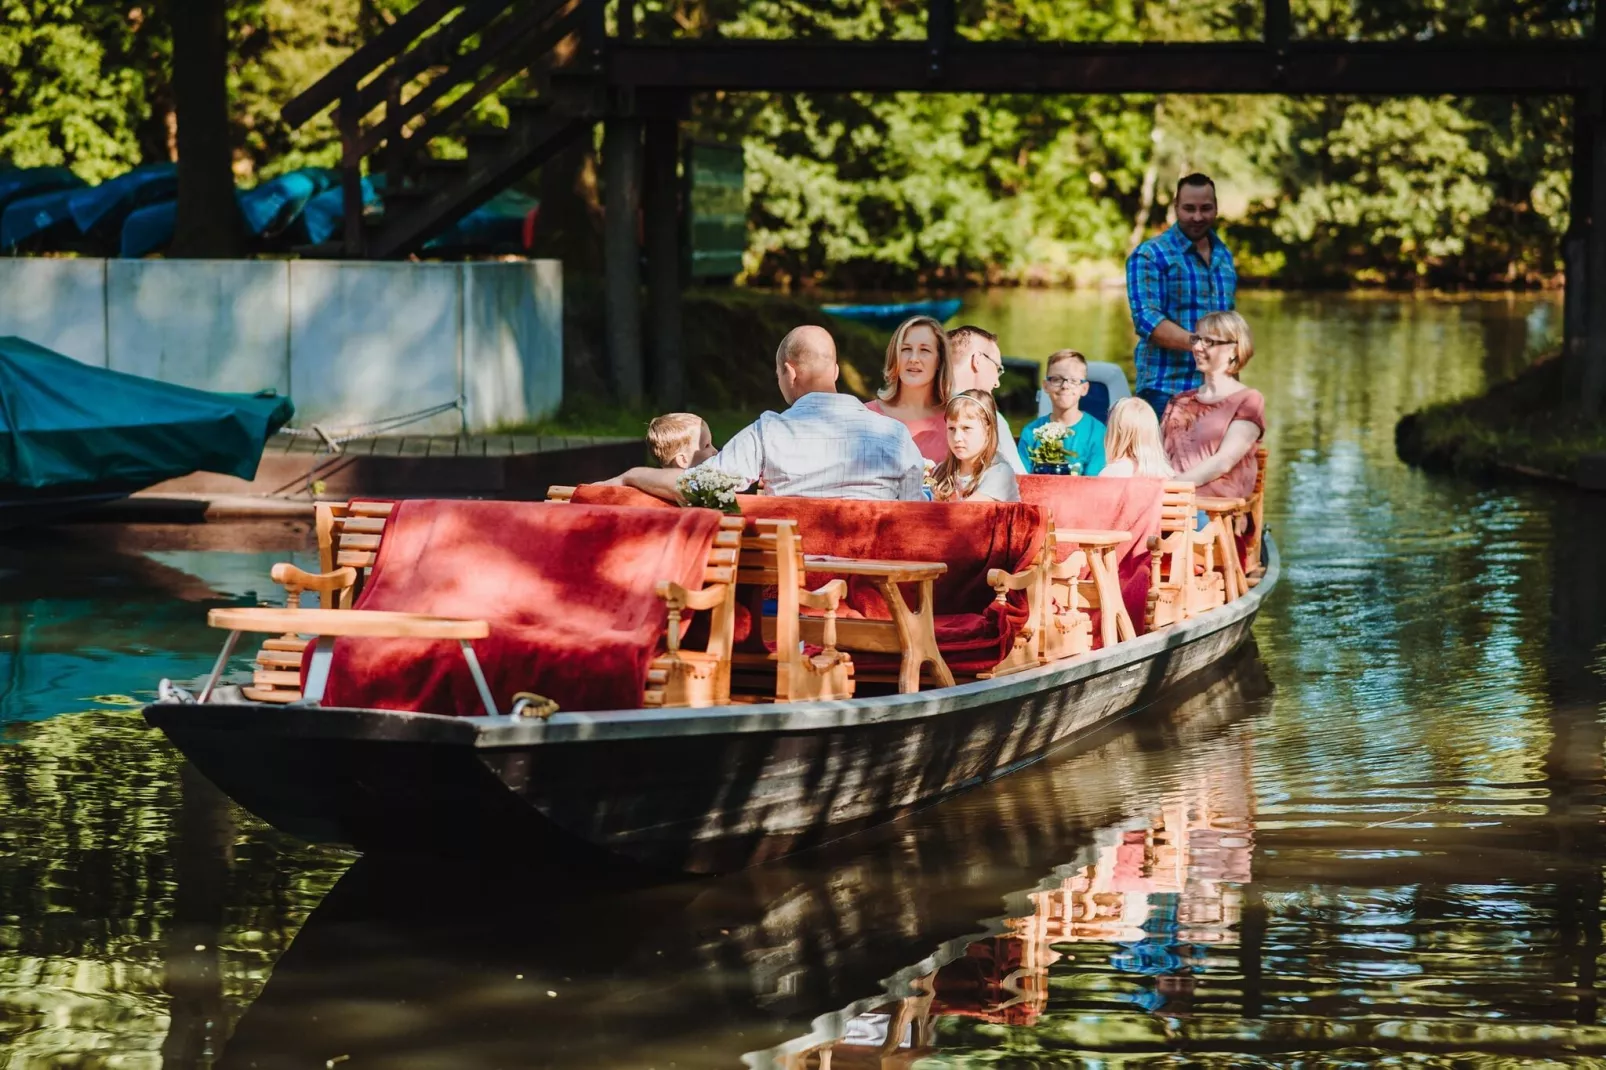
1171 281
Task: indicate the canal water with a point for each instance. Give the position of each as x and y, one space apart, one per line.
1374 838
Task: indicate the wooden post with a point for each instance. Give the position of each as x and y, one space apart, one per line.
1278 24
939 35
621 177
662 211
1592 391
1575 244
346 119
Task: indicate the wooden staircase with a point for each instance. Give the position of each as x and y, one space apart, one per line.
420 79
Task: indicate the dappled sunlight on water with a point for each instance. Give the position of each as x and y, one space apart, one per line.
1376 839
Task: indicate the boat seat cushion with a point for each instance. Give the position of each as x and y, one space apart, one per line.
569 592
1081 502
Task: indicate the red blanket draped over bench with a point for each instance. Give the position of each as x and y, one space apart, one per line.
1106 504
969 537
569 592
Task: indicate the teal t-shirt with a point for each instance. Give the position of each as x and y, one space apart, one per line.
1086 438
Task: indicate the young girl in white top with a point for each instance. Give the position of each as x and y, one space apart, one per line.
1132 445
973 470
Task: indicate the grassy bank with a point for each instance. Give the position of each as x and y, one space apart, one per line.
1529 426
729 338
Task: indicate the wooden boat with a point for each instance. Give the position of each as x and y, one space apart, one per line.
707 787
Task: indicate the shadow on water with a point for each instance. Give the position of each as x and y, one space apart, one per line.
532 969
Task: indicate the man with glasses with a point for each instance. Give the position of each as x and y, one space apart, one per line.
1172 281
977 364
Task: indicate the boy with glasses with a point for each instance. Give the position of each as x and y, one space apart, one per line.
1066 383
976 363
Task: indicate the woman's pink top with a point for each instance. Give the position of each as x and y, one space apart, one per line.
1193 431
930 433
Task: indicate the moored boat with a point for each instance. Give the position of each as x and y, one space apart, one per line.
888 316
418 750
72 435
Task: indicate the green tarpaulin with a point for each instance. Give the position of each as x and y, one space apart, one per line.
66 424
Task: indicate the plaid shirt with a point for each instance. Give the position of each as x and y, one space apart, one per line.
1167 279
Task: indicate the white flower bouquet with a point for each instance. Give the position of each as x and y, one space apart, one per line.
1048 452
710 488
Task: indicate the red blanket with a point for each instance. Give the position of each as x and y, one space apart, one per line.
569 592
1106 504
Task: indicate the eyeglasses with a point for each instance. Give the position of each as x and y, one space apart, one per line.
995 363
1054 382
1213 342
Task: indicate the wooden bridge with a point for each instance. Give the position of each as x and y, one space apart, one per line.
420 78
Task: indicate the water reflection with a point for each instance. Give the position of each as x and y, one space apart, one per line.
786 959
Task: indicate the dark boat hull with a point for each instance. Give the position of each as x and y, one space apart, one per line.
697 790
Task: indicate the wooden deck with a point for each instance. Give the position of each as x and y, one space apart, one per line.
442 445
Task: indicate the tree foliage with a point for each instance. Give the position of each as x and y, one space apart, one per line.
861 190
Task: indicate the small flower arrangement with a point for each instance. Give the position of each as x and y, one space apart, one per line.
1048 451
710 488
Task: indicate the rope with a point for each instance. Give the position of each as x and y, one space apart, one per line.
372 428
334 444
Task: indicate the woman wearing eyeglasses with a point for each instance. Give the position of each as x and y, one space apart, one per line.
1066 383
1210 433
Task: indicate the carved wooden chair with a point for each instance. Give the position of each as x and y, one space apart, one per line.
685 677
772 557
348 545
1181 584
767 553
1058 624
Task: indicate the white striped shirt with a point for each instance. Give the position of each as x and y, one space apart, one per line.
826 446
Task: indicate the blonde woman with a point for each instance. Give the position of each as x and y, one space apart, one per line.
1210 433
972 470
1132 445
918 381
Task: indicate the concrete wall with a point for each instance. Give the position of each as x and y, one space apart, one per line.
350 341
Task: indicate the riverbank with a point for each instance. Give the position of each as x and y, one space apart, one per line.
1528 427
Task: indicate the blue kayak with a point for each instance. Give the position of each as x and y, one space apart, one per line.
324 214
19 182
273 205
498 225
268 209
888 317
29 217
103 208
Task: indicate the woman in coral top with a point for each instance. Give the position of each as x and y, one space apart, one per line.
1210 433
917 384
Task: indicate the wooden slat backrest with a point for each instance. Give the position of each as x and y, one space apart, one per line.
349 536
1257 510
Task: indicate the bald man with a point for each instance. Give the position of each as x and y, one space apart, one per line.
825 445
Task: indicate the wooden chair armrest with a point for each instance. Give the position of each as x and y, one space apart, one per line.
1070 568
1222 505
287 575
1091 537
334 622
707 598
828 597
1004 582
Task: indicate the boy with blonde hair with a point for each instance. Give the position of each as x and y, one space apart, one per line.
1066 383
680 440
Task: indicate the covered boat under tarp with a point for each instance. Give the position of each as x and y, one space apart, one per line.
72 432
889 316
39 216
